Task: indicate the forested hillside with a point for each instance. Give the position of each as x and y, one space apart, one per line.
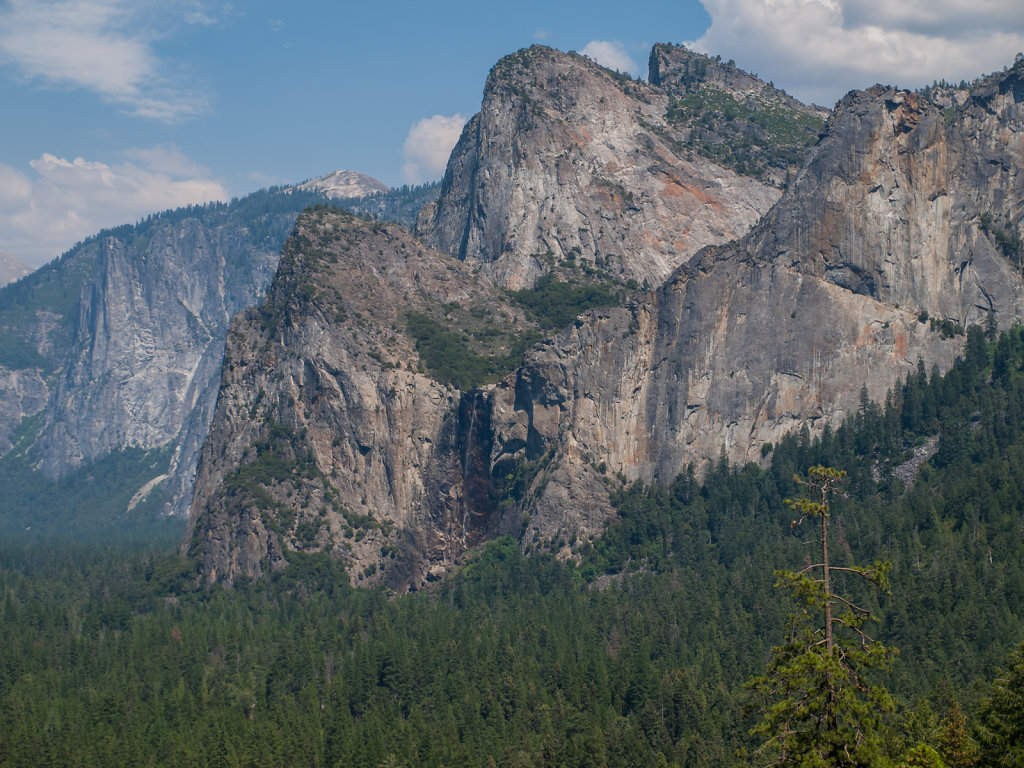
634 653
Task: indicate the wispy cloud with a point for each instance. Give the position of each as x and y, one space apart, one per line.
428 145
819 49
104 46
59 201
611 54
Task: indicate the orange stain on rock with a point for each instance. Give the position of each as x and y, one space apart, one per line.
582 138
674 188
865 337
900 346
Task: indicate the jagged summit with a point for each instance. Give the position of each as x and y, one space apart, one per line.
331 398
340 185
681 70
567 159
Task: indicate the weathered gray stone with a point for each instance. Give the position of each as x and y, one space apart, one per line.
326 364
566 158
902 208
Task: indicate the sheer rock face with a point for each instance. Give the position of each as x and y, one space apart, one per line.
907 205
326 436
896 213
904 200
23 392
568 158
147 345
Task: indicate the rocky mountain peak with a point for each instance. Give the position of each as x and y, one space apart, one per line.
340 424
339 185
12 268
732 116
681 70
567 159
900 229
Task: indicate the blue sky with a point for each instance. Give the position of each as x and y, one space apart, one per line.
117 108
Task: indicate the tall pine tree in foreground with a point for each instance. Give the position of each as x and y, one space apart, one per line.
821 708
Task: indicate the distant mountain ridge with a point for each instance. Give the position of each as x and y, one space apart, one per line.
340 185
117 345
12 268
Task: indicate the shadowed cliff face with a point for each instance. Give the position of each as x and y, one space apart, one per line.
328 435
567 158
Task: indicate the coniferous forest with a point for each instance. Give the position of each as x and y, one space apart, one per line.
636 654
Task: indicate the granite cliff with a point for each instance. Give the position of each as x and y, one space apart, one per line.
148 338
117 345
566 158
332 432
900 229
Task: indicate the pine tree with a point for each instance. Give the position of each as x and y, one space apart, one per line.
955 743
1002 719
821 708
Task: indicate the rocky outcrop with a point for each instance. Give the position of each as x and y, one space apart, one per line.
341 185
328 434
569 159
902 229
681 71
733 117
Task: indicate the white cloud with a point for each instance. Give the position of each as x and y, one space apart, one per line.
611 54
104 46
820 49
428 145
65 201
